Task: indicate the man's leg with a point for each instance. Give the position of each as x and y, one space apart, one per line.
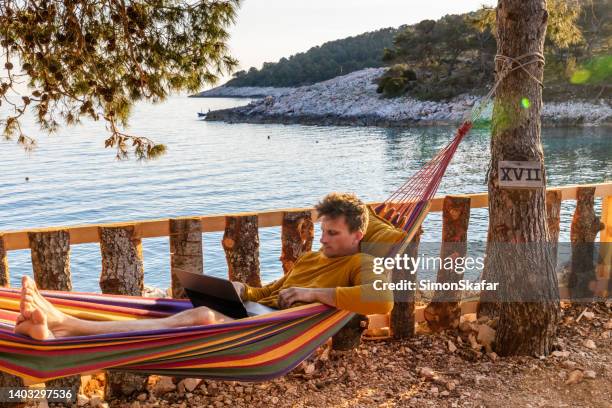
41 320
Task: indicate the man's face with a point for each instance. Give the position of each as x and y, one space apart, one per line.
336 239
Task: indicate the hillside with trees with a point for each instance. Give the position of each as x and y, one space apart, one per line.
320 63
437 60
454 55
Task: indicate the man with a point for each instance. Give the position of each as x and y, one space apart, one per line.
338 275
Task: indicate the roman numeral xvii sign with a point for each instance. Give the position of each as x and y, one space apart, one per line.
521 174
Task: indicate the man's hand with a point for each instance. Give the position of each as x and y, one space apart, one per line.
240 289
287 297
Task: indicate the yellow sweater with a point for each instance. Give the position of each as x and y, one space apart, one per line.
351 275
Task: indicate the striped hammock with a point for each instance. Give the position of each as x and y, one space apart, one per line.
252 349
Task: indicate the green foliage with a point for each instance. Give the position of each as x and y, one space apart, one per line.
83 58
320 63
455 54
396 80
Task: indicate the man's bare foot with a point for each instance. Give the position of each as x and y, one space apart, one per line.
35 327
31 299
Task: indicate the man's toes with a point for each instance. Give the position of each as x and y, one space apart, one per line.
38 317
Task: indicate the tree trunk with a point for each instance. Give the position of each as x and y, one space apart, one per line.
7 380
241 245
553 219
122 274
185 251
5 277
50 251
297 234
51 259
584 229
402 319
518 256
444 311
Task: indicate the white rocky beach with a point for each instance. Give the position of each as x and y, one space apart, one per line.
352 100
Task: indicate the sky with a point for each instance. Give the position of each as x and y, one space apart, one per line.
267 30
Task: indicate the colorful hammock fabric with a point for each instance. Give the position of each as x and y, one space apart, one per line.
252 349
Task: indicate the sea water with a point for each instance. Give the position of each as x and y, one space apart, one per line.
214 168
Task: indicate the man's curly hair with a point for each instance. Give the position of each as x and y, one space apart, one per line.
354 210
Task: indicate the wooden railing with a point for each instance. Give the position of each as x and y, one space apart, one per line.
121 244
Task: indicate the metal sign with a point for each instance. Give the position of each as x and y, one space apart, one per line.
520 174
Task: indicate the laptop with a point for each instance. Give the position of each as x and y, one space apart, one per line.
218 294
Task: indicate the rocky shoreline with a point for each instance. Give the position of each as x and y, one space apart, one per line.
351 100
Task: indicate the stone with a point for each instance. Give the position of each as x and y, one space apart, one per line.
309 369
590 344
95 401
608 325
451 385
427 373
445 393
574 377
569 364
274 400
189 384
493 356
163 386
451 347
558 353
590 374
82 400
142 397
588 315
486 336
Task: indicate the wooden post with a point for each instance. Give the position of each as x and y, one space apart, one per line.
297 234
122 274
51 259
185 251
553 218
349 336
5 277
7 380
605 250
50 251
402 316
585 226
444 311
241 245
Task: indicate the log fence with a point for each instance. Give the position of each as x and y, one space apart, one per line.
123 272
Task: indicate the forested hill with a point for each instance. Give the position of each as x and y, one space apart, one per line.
320 63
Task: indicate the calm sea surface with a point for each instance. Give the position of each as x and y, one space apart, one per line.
215 168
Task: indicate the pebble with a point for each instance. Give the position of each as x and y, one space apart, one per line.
451 347
427 372
558 353
574 377
589 374
590 344
568 364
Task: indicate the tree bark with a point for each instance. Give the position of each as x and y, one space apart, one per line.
51 259
444 310
50 251
297 234
518 256
241 245
185 251
122 274
5 277
402 318
584 229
